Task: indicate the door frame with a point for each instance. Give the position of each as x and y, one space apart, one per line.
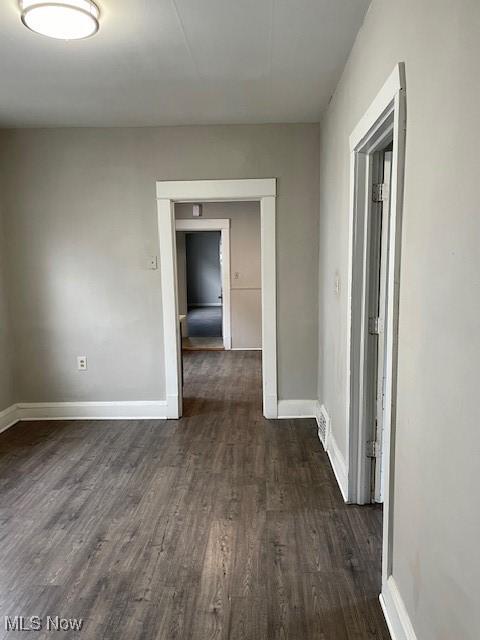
386 117
222 225
377 365
262 190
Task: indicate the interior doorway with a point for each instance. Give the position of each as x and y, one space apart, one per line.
377 161
378 243
263 192
203 280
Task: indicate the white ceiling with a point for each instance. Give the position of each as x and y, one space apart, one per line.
159 62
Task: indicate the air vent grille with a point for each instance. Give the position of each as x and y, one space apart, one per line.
323 421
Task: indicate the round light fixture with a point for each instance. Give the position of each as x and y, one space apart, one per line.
64 20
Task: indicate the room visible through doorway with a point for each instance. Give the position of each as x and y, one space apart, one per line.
219 289
200 290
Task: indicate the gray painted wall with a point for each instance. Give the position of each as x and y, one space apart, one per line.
204 278
7 396
182 273
436 563
245 267
81 212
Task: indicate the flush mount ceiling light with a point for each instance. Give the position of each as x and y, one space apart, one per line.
64 20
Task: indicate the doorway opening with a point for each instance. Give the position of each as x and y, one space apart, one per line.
259 299
219 277
202 280
377 159
378 246
204 286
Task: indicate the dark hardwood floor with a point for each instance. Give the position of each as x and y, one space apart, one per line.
220 525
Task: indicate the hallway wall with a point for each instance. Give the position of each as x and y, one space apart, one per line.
436 521
81 222
7 397
182 273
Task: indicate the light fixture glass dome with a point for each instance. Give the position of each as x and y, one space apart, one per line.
64 19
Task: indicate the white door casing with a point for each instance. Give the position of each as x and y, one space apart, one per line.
384 119
262 190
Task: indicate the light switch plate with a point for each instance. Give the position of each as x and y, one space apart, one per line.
152 263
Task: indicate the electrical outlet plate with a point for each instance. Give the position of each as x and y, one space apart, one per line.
82 363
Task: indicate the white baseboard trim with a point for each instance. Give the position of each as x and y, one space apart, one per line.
8 417
270 407
117 410
171 407
338 465
296 409
245 348
398 620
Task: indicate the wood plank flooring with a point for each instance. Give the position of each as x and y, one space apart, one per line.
219 526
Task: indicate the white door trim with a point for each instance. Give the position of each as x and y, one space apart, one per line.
261 190
202 224
222 225
385 117
216 190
